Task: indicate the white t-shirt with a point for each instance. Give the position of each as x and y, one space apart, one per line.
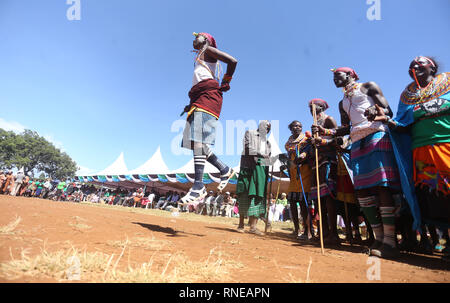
203 70
355 107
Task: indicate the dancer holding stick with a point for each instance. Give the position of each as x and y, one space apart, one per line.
326 172
299 171
313 108
374 167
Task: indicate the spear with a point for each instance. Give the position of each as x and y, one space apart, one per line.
317 179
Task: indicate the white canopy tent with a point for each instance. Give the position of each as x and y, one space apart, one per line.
155 173
154 165
118 167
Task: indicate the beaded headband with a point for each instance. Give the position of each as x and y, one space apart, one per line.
416 59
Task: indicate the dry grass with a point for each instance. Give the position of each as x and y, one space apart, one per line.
9 229
79 224
149 243
73 264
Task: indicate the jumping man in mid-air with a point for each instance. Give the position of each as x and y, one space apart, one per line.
204 111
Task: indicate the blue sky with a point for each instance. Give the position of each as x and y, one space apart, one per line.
116 80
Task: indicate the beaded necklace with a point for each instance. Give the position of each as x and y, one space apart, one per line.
349 92
437 87
218 71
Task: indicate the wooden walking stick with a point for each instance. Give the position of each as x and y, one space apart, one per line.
317 179
278 188
268 204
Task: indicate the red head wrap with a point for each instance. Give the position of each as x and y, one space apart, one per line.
346 70
210 38
320 102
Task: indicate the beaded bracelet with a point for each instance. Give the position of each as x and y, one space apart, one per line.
389 120
329 132
227 78
324 142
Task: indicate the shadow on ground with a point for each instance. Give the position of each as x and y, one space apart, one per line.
167 230
433 262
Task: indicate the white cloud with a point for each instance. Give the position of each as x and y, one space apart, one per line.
19 128
11 126
56 143
84 171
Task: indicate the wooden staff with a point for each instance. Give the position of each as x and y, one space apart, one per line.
270 201
278 188
317 179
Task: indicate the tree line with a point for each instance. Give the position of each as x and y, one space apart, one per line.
35 154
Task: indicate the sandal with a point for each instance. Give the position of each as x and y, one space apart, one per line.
375 245
303 237
256 232
386 252
189 197
224 179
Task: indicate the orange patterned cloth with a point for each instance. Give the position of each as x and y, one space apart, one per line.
344 186
432 167
305 170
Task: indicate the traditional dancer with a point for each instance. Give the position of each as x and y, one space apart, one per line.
327 172
300 178
204 111
424 113
251 188
372 161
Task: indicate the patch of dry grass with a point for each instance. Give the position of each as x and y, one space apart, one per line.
79 224
73 264
9 229
150 243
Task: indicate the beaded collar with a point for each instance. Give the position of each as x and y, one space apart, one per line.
350 91
439 86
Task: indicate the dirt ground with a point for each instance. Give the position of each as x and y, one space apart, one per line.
198 243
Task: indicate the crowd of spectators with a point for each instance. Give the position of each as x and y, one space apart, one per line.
22 184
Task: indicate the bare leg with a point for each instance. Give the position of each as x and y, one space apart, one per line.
241 222
294 213
332 238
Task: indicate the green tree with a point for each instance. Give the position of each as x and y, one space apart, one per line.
33 152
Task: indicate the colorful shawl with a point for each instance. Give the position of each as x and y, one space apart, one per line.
402 143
